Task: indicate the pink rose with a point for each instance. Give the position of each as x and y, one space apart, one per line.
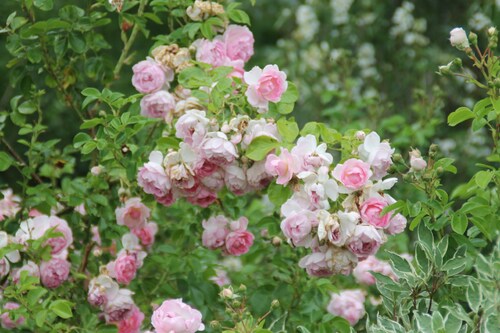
159 104
417 163
131 324
264 86
365 241
235 179
348 304
397 225
174 316
362 270
134 214
60 243
5 319
54 272
217 149
119 307
239 242
147 233
221 279
148 76
370 211
215 232
259 127
124 268
239 42
9 205
353 174
377 154
192 126
316 264
257 176
297 227
204 168
152 177
211 52
203 198
215 181
311 155
29 267
284 167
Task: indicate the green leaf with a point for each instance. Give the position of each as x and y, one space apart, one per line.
483 178
288 129
260 147
291 95
27 107
473 296
91 92
5 161
285 108
40 317
61 308
278 194
44 5
460 115
239 16
459 223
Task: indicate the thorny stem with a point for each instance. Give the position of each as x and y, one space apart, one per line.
130 41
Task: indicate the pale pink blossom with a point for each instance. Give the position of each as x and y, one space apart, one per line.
215 181
362 270
5 319
217 149
239 242
174 316
211 52
397 225
215 232
257 176
348 304
221 279
417 163
377 154
147 233
284 166
311 155
264 86
192 126
148 76
297 227
203 198
353 173
30 267
371 212
259 127
59 243
365 241
316 264
132 323
101 290
458 38
134 214
119 307
54 272
235 179
9 205
152 177
160 104
239 42
124 268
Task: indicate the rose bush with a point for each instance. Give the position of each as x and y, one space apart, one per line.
189 199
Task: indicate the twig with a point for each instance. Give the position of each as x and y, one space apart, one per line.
20 160
130 41
85 259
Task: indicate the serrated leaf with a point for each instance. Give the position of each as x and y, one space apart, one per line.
460 115
61 308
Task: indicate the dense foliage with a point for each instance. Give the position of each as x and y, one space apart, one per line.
285 166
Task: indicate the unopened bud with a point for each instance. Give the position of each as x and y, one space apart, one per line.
416 161
102 113
96 170
276 241
275 304
214 324
492 31
473 38
457 62
496 83
360 135
406 177
458 38
226 293
397 157
440 170
433 148
242 287
444 70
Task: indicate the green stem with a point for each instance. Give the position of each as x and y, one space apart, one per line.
130 41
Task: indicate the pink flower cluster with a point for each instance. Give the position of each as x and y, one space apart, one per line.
6 321
59 238
234 48
208 159
348 304
354 232
104 292
230 236
362 272
175 316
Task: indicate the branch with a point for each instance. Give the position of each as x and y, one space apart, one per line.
20 160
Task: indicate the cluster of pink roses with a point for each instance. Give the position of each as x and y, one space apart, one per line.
53 272
104 292
348 304
356 228
208 159
362 272
230 236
